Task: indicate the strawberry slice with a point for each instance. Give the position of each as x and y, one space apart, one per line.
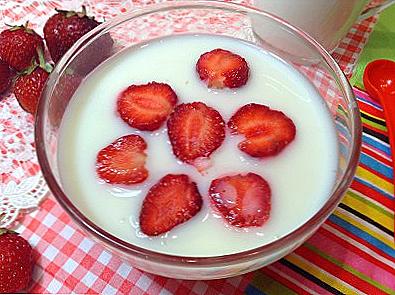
146 107
221 68
170 202
123 161
243 200
267 132
195 130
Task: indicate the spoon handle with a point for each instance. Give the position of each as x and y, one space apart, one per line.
389 112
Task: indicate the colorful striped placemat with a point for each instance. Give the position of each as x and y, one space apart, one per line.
353 252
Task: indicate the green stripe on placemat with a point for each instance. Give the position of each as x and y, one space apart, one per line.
373 122
264 285
381 44
348 268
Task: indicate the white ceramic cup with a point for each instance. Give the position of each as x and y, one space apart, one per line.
327 21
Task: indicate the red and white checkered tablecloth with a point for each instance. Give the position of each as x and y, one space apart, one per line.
67 261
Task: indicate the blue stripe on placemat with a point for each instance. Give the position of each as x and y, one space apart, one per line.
376 143
372 186
251 290
363 235
376 165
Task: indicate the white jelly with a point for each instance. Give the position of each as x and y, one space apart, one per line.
301 176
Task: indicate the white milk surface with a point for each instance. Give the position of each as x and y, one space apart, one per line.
301 176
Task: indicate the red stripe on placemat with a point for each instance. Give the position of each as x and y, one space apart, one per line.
345 245
287 283
370 127
337 270
376 156
359 240
300 278
372 194
367 108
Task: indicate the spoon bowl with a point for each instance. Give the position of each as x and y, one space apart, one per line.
379 79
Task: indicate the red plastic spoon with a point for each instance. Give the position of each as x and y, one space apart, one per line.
379 81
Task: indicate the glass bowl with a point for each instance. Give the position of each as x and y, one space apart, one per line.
218 18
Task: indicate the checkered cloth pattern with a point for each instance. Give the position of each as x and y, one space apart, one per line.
347 52
67 261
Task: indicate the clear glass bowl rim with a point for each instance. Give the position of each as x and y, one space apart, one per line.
183 261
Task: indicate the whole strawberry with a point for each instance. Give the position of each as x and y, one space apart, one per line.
28 89
30 84
63 29
16 262
18 46
5 77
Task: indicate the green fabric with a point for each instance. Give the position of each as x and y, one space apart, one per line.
381 44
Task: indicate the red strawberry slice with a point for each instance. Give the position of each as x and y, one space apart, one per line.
146 107
123 161
195 130
221 68
243 200
267 132
170 202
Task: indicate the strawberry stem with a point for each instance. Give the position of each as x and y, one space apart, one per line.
29 69
16 28
33 65
70 13
6 231
60 10
83 12
20 27
42 63
66 13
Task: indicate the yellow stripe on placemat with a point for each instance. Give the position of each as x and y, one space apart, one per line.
367 208
382 184
322 275
348 268
364 226
372 116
